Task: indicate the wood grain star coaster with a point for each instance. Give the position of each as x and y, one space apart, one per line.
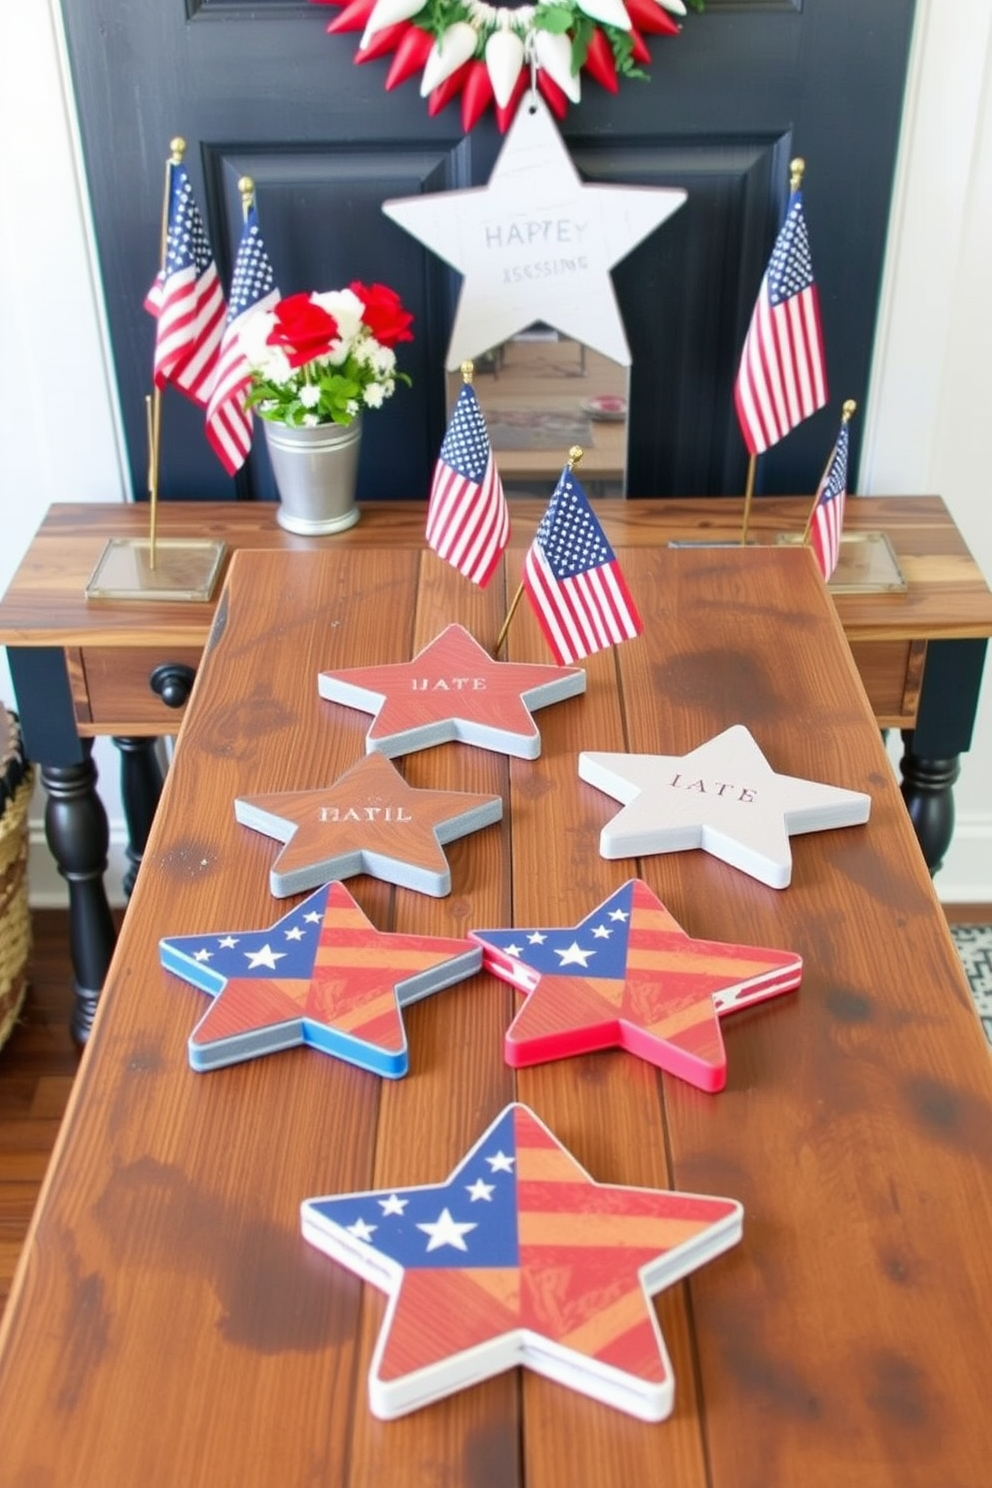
723 797
368 821
453 690
321 976
521 1258
629 977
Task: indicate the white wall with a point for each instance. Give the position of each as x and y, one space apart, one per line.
924 422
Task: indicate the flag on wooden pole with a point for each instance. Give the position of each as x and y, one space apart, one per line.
253 287
827 519
468 521
186 298
573 579
782 375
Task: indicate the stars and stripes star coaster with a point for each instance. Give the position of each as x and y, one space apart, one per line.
723 797
520 1257
453 690
629 977
368 821
321 976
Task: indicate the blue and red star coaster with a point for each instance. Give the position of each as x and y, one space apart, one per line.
628 976
453 690
521 1258
321 976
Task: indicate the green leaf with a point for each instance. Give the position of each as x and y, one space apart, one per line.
554 18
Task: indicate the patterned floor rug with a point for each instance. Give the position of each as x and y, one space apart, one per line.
974 943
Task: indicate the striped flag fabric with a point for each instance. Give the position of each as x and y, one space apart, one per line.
828 513
468 521
186 298
253 287
521 1258
782 375
573 580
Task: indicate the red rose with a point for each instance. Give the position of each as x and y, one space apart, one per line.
303 330
383 313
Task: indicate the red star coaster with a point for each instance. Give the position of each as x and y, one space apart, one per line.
322 975
453 689
521 1258
629 977
368 821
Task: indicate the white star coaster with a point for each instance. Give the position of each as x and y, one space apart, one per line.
723 797
536 243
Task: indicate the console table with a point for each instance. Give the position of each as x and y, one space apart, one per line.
88 668
169 1325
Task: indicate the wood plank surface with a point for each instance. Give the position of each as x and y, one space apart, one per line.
948 596
169 1325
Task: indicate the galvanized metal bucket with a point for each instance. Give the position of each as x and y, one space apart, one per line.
316 472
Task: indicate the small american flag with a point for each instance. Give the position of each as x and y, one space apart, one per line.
186 298
229 422
574 581
828 514
782 375
468 521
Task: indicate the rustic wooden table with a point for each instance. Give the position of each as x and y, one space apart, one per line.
124 668
168 1324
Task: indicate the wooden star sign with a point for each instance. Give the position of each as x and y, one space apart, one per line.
629 977
368 821
322 976
521 1258
723 797
536 243
453 689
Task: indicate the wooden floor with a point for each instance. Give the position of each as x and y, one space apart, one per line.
39 1062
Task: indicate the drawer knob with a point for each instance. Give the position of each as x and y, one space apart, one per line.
172 682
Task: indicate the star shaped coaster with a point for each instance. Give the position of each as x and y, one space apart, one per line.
521 1258
537 243
723 797
322 975
629 977
453 689
368 821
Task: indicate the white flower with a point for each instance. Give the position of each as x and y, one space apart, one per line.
373 395
310 421
351 408
383 358
346 308
309 395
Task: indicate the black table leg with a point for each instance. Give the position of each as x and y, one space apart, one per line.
75 820
78 836
141 787
952 679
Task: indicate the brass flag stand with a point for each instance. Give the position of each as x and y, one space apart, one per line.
144 568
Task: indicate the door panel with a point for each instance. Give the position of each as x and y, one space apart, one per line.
259 89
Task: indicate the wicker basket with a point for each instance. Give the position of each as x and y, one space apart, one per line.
15 918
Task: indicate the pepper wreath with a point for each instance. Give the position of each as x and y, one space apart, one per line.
486 52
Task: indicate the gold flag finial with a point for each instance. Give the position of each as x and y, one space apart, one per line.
246 188
848 410
575 455
797 169
177 149
468 372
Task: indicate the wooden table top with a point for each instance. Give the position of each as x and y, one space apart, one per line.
168 1325
947 598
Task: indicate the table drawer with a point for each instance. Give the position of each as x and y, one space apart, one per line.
113 693
892 672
